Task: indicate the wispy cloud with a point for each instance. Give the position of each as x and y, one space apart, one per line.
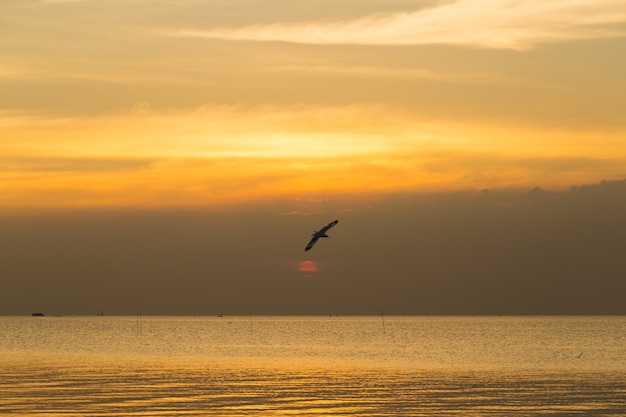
61 1
73 165
208 131
483 23
414 73
225 154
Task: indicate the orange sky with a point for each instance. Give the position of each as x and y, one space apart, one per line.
198 103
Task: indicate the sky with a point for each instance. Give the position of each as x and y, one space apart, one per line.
175 156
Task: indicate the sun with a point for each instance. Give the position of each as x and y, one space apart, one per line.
307 266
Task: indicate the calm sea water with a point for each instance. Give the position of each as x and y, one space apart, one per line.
312 366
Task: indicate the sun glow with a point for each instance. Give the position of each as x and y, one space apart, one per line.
209 157
244 106
307 266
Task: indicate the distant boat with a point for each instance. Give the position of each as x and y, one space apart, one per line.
38 315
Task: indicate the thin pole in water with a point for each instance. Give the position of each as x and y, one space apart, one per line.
382 317
139 322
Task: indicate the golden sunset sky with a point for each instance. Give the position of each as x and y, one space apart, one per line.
194 103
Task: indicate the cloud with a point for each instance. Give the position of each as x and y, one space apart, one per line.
72 165
444 253
148 157
410 74
481 23
207 131
44 2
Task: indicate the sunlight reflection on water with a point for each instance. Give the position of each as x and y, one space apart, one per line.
166 366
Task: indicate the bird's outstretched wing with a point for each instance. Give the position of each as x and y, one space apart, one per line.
328 226
311 243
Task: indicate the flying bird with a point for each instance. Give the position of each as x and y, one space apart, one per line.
321 233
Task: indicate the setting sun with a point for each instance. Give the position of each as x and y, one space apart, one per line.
307 266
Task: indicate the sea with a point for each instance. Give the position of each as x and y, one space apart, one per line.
312 366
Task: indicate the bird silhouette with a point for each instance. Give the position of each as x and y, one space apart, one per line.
322 233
